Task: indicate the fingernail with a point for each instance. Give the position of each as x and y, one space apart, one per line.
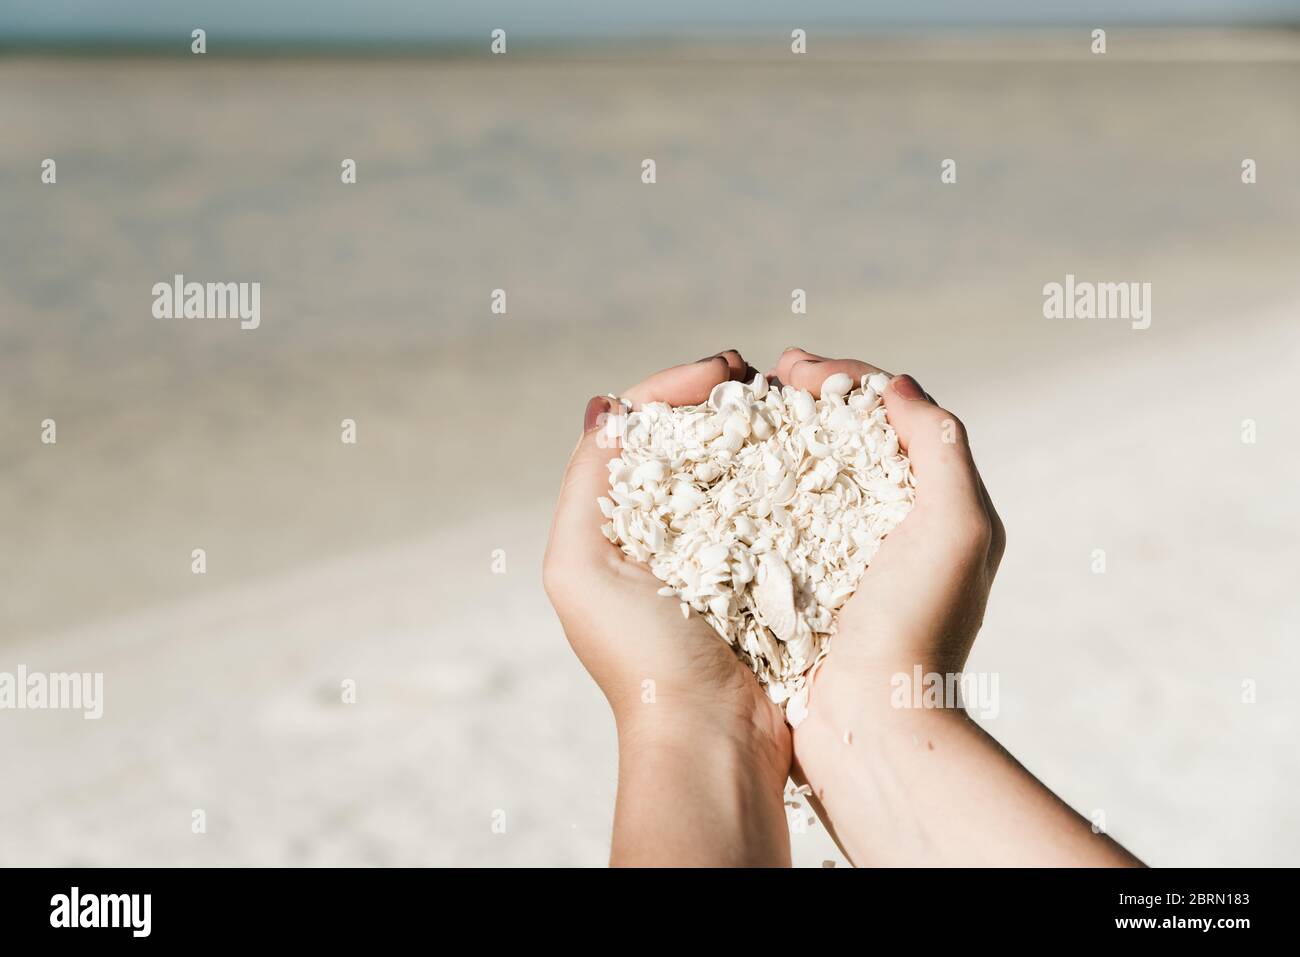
907 387
596 407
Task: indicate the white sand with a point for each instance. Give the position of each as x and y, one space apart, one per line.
1123 690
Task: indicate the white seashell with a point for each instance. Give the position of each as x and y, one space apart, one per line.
726 394
816 448
760 510
774 596
730 442
707 471
801 646
652 471
712 557
778 691
708 428
878 383
843 419
737 424
744 569
685 499
796 708
837 386
803 405
785 490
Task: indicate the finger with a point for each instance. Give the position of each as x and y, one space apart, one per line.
809 374
737 367
787 359
948 487
575 529
688 384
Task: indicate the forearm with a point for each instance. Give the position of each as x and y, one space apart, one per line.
930 787
697 797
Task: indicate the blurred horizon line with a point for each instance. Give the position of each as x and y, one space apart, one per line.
1145 40
386 22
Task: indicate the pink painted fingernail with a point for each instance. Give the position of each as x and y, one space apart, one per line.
908 388
596 407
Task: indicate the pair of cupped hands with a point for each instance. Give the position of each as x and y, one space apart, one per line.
920 602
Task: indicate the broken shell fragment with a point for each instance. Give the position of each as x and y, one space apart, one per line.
759 511
837 386
774 596
803 405
727 394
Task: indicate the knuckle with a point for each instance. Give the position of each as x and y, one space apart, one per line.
803 371
997 548
998 539
974 531
553 577
957 428
950 430
548 578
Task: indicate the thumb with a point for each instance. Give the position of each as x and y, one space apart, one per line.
948 487
924 592
575 531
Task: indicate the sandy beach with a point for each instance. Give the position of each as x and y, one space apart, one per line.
372 562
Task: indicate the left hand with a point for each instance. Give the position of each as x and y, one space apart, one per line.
626 634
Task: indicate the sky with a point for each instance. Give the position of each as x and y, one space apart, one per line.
438 20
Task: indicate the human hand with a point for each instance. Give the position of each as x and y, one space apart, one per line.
704 727
922 599
908 786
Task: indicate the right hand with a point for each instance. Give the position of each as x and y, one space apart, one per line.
921 600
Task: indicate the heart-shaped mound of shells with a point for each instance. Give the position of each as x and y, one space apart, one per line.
760 510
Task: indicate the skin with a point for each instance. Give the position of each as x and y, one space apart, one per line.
704 760
701 765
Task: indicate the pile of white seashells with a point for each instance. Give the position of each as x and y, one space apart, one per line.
760 510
